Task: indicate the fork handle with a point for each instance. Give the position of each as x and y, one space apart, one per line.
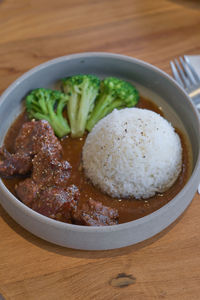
196 100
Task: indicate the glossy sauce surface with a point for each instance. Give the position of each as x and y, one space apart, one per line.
129 209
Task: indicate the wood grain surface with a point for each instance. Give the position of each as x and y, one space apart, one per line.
164 267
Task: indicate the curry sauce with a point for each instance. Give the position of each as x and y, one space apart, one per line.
129 209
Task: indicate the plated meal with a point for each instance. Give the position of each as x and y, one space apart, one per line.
93 153
124 172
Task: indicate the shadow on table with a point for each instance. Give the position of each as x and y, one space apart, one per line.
81 253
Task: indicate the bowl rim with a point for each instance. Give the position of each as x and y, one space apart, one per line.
118 227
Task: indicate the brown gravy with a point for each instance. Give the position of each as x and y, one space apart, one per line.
129 209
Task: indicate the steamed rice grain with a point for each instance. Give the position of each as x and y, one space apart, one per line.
132 152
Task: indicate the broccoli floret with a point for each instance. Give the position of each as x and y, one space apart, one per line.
46 104
114 93
82 91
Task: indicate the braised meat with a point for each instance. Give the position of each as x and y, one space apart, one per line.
12 164
94 213
57 203
46 190
27 191
35 136
49 171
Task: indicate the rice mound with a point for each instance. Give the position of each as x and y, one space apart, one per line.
132 152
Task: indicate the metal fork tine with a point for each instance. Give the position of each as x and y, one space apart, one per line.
187 70
188 79
175 73
196 76
184 78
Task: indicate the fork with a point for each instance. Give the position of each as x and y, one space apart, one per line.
186 76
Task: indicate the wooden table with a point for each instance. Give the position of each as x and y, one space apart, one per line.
164 267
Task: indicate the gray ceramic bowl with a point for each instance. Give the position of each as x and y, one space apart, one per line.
152 83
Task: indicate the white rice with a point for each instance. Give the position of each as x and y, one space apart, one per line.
132 152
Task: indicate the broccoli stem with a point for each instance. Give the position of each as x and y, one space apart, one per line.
83 111
100 110
60 128
40 116
72 108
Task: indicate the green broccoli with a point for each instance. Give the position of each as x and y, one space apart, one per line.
82 91
114 93
46 104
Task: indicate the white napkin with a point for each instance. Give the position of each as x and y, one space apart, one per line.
195 62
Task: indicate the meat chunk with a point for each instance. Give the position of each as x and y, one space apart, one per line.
27 191
49 171
94 213
39 152
35 136
57 203
12 164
